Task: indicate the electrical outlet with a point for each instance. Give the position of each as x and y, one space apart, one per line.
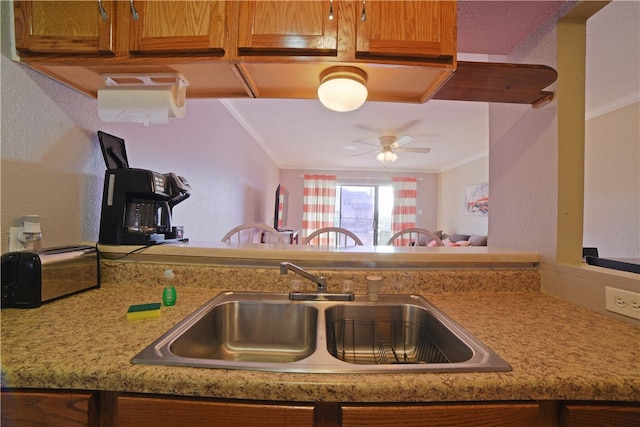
14 243
622 302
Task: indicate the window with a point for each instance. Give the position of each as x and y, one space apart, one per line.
366 211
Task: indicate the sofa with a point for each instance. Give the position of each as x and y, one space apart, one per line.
456 239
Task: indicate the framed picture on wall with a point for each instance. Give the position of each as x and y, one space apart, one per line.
476 199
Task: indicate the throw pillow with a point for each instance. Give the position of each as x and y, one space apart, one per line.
448 242
425 240
478 240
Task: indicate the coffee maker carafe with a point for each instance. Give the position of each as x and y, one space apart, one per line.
147 216
137 204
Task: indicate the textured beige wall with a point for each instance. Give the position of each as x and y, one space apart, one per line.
451 218
612 183
50 161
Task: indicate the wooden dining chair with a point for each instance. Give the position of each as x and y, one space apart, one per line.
332 236
413 237
253 233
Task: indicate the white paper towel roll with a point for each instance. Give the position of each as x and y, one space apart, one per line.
139 104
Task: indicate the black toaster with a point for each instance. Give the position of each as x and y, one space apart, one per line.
32 278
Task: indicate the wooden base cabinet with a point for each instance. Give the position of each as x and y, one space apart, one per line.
455 414
600 414
58 408
136 411
495 414
48 408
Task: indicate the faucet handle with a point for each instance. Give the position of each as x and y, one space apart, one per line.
295 285
347 287
322 287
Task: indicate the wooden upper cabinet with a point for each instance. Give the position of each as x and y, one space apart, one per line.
163 27
240 48
180 27
64 27
407 29
294 28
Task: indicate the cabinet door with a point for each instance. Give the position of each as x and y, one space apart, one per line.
177 412
179 26
598 414
409 29
471 414
64 27
48 408
287 27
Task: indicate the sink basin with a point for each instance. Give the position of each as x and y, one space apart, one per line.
268 332
251 331
391 334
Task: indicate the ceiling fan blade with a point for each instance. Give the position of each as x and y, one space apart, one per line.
366 152
367 143
413 150
401 141
407 126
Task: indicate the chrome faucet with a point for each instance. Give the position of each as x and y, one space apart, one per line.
321 281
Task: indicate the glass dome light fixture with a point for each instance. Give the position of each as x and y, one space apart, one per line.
343 88
386 156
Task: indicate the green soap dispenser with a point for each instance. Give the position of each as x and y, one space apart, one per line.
169 293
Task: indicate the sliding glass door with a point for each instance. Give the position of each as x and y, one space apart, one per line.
366 211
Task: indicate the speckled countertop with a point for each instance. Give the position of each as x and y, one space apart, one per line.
557 351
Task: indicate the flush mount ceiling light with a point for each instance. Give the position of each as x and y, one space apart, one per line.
343 88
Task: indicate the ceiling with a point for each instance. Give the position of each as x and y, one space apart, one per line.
302 134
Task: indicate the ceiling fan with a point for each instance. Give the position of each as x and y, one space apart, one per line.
389 145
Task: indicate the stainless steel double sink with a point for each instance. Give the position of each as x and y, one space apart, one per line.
269 332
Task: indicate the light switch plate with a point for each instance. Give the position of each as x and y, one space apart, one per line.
623 302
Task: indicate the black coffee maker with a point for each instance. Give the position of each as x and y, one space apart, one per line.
137 204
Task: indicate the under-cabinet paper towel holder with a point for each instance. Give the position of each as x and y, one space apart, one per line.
143 98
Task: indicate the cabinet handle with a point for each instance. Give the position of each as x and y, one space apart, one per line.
134 12
363 15
103 13
330 10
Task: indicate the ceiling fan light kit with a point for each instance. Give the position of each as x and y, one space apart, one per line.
386 156
388 145
343 88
